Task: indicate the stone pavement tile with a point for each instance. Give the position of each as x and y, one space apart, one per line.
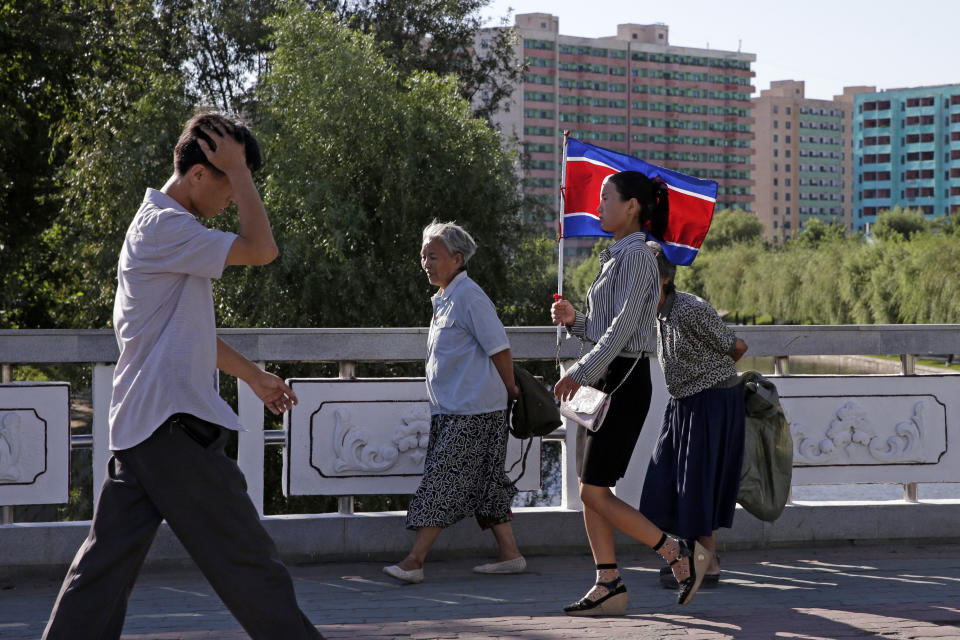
800 594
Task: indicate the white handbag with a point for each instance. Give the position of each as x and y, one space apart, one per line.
588 406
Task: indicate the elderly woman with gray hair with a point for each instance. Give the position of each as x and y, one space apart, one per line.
694 472
470 382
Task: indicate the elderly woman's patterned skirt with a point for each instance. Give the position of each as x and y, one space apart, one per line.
463 473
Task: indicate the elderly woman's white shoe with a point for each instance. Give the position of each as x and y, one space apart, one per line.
517 565
413 577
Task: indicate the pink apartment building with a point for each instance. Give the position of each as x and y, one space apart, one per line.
684 108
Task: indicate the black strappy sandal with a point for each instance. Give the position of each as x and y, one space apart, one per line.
612 604
699 558
669 581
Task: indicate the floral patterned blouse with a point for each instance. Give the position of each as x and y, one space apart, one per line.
693 345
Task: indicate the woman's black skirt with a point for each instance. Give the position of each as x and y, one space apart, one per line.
603 455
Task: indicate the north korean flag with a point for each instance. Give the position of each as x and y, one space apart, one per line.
692 200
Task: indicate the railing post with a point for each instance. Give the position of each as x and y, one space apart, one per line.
101 390
6 512
569 484
781 366
908 364
250 442
910 493
348 371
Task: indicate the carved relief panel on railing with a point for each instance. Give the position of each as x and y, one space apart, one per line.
892 427
369 438
23 446
366 436
34 443
867 431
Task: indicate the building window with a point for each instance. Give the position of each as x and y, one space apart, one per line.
788 110
776 124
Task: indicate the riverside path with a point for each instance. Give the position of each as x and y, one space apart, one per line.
902 591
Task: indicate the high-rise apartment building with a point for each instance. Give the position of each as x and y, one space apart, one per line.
684 108
906 150
803 161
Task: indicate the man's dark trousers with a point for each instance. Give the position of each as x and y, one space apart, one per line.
181 474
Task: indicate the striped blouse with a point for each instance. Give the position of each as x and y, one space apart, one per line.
621 308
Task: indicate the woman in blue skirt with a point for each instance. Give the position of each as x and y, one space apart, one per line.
694 473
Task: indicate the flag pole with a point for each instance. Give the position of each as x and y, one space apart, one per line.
562 200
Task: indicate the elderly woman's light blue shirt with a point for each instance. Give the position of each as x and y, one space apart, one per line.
464 332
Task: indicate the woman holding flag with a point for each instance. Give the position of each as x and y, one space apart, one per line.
620 322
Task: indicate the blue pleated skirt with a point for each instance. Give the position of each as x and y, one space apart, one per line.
694 473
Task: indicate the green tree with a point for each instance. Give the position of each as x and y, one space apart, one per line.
731 226
928 282
356 166
222 45
854 279
949 224
37 46
130 100
816 232
438 36
580 274
722 276
899 223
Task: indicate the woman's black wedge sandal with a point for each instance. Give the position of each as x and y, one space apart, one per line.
699 559
612 604
669 581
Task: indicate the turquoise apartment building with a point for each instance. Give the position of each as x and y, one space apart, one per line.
906 152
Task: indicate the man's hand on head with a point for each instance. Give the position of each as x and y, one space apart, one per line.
226 153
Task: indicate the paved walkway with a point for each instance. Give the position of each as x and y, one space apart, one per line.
802 594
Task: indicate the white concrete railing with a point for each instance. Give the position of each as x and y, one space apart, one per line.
847 428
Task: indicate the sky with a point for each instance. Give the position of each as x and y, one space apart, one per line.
828 44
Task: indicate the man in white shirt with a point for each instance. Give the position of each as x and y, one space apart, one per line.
168 423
